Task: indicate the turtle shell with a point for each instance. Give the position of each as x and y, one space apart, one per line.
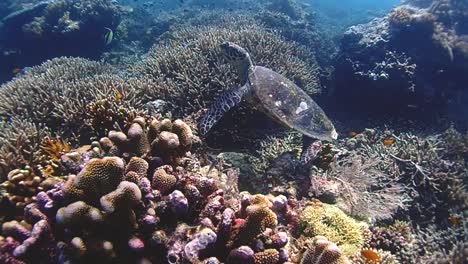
288 104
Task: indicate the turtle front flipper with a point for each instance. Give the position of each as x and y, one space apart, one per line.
222 104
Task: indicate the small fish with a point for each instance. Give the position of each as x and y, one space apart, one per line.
453 219
388 141
352 134
16 70
109 36
370 255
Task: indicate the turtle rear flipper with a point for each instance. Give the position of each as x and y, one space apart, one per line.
222 104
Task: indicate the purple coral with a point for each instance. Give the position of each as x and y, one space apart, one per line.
178 203
200 242
41 230
243 254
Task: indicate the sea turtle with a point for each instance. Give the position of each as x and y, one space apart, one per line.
273 94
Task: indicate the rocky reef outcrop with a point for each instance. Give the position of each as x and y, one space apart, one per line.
413 58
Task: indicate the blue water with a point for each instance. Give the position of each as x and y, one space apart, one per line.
198 131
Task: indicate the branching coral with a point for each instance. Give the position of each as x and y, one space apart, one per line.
397 239
189 71
360 188
59 94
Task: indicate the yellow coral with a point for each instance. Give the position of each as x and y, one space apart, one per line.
322 251
98 177
319 219
78 214
162 180
137 165
258 220
269 256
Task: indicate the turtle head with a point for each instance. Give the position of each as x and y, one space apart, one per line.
234 52
239 57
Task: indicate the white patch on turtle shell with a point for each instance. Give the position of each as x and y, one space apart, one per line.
278 103
302 107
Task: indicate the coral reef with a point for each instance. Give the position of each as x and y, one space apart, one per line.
77 87
110 194
206 73
166 139
387 59
57 28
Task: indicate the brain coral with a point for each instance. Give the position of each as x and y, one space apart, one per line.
319 219
98 177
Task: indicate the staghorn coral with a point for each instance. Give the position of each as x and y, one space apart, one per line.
19 141
287 7
318 219
322 251
57 94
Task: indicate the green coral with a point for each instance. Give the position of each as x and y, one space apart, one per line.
326 220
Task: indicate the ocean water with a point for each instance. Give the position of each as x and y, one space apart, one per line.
233 131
